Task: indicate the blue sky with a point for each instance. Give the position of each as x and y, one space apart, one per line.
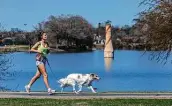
16 13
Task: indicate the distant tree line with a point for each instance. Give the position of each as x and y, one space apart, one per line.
73 32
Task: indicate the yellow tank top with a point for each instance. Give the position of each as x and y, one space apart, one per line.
43 50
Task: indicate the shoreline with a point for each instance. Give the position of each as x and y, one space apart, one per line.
25 48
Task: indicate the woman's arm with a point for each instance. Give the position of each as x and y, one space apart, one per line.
34 48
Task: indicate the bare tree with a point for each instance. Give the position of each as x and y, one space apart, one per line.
70 30
5 64
155 23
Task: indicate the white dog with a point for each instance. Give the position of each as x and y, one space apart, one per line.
79 79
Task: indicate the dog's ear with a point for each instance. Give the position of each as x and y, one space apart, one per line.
91 74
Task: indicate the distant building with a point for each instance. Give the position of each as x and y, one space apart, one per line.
98 39
16 30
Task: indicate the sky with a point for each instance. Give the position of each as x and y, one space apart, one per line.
16 13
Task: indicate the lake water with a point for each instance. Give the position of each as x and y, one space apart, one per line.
130 71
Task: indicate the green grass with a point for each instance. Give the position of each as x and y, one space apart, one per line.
82 102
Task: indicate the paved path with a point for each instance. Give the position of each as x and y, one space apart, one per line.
67 95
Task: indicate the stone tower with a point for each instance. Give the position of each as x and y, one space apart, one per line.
108 47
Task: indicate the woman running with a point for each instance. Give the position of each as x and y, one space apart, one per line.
42 49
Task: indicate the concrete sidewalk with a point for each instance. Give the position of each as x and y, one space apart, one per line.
84 95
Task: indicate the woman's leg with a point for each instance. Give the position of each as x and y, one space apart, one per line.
37 75
42 70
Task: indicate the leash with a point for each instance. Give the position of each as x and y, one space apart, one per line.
51 69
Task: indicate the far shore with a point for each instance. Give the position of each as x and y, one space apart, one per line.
26 48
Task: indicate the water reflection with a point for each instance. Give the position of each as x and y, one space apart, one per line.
108 63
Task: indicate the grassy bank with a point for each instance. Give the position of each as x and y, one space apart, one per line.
20 48
14 48
82 102
25 48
